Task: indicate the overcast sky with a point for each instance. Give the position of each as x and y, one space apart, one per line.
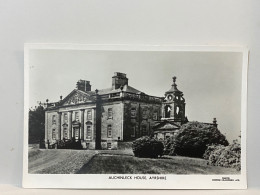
210 81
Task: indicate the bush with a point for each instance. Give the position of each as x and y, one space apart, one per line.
225 156
193 138
147 147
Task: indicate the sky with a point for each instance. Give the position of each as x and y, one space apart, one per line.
210 81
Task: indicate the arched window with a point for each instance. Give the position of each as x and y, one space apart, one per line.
167 111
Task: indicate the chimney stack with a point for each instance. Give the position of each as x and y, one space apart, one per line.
119 79
83 85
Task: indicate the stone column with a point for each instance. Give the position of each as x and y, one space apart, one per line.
82 124
59 125
70 124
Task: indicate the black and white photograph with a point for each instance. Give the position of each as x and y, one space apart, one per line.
135 117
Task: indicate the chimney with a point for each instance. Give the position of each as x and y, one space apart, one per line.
119 79
83 85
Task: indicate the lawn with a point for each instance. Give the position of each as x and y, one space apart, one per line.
122 164
64 161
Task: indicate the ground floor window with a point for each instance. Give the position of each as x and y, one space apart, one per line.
109 146
133 131
65 132
53 134
88 131
144 130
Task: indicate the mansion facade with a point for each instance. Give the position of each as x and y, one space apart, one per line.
103 118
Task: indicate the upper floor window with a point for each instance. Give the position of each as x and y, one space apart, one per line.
53 134
77 116
54 119
65 118
133 112
89 115
145 113
109 131
110 113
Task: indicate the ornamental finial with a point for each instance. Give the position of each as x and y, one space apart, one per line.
174 79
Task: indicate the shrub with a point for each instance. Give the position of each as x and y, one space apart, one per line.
225 156
193 138
147 147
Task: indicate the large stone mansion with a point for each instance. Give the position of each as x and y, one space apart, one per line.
101 119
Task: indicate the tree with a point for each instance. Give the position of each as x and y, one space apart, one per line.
36 125
194 137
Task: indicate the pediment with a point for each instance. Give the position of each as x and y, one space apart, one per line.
166 125
77 97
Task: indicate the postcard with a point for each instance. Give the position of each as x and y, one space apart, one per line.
135 116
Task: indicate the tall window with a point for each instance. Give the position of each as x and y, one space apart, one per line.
65 132
110 113
133 112
133 131
145 112
54 119
155 116
88 131
77 116
109 131
65 118
144 130
89 115
53 134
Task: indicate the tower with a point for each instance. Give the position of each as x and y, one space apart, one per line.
173 106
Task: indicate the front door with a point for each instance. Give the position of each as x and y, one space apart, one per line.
76 133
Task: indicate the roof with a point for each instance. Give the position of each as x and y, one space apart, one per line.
126 88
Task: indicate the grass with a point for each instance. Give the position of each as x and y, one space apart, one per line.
65 161
118 164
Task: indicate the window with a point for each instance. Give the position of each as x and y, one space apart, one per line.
110 113
145 113
109 131
53 134
54 119
77 116
144 130
88 131
133 112
155 116
65 118
89 115
109 146
65 132
133 131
